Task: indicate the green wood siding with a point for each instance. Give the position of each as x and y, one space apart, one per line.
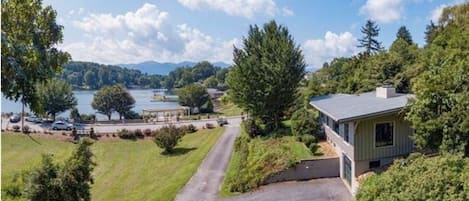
365 139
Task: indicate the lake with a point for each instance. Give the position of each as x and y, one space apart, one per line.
142 98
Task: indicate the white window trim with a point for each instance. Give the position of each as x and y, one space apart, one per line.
393 134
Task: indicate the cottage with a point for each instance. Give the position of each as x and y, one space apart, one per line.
367 130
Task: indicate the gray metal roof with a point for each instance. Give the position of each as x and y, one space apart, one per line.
346 107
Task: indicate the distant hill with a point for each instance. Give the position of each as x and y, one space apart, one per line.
153 67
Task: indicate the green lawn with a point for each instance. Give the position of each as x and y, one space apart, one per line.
230 109
126 170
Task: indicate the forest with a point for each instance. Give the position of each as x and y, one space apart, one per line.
88 75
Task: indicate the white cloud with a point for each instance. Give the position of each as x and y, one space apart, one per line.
436 13
244 8
318 51
287 12
80 11
145 20
383 11
145 34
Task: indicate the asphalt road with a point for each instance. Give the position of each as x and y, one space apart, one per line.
327 189
109 128
197 123
205 183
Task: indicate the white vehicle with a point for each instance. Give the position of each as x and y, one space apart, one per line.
60 125
33 119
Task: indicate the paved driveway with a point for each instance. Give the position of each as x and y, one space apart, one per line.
332 189
205 183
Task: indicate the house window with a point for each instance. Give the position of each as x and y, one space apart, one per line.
384 134
375 164
346 138
336 127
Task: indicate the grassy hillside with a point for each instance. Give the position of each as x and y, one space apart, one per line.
126 170
255 159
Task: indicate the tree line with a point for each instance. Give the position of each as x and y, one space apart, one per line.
88 75
438 74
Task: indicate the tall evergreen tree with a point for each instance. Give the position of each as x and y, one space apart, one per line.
404 34
76 175
44 183
266 73
430 32
369 41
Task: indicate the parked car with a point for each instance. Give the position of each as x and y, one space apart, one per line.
222 121
60 125
33 119
15 118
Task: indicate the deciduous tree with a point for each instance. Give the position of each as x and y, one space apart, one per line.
55 96
439 113
193 96
103 101
30 35
124 102
111 99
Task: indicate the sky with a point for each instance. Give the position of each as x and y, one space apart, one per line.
134 31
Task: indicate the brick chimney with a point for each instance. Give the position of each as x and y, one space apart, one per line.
385 91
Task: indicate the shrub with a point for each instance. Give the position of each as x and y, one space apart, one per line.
87 117
168 137
132 115
252 127
307 140
444 177
313 147
16 128
138 133
26 129
191 128
209 126
126 134
188 128
304 122
147 132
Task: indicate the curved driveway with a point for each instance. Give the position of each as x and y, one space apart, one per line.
204 185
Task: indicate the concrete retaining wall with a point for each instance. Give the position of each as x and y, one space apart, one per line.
308 169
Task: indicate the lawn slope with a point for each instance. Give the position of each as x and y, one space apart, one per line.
126 170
